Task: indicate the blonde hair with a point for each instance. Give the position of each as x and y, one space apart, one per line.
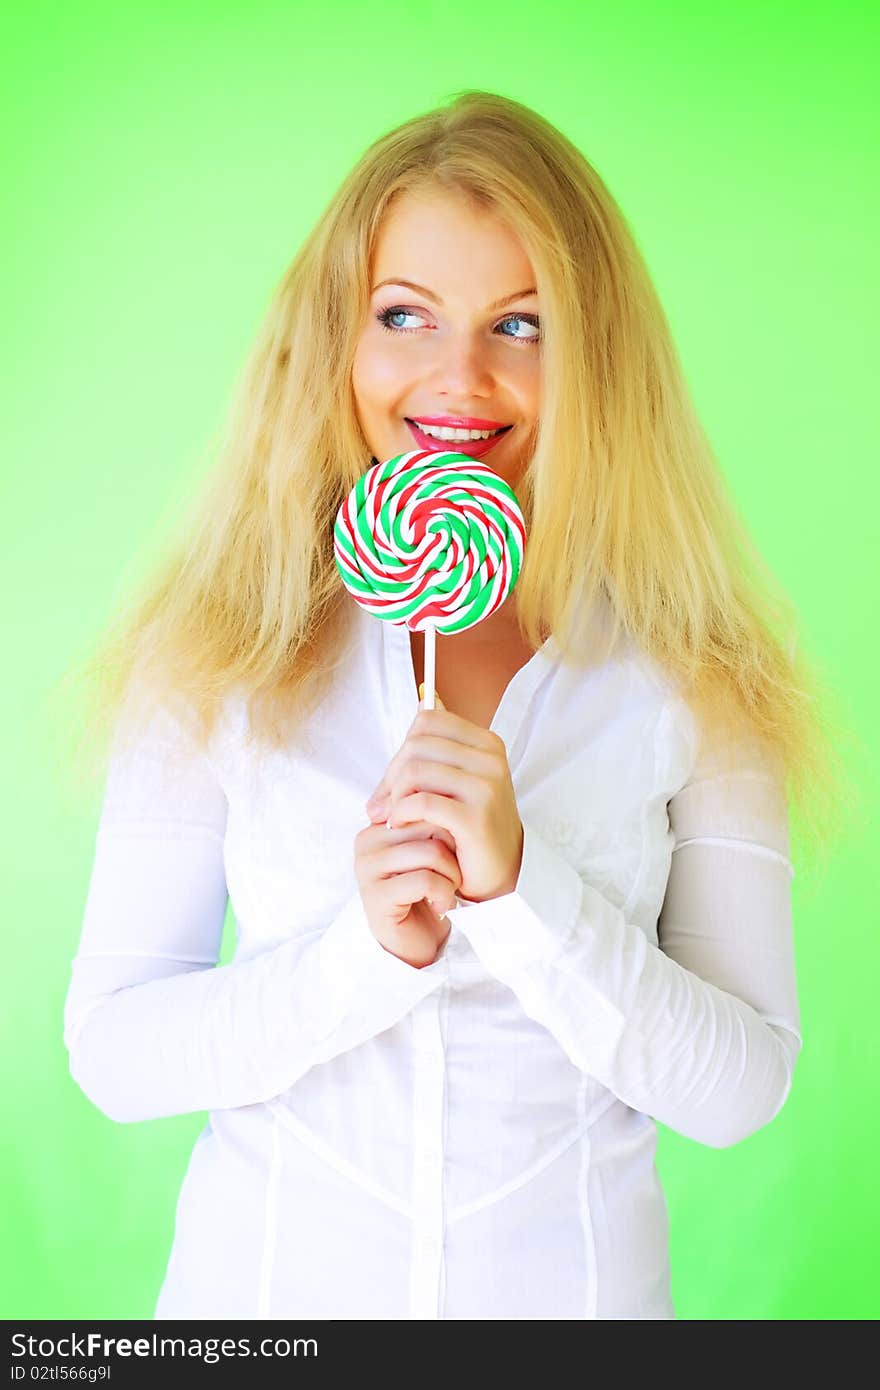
622 492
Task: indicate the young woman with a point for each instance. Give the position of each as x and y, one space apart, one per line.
455 1015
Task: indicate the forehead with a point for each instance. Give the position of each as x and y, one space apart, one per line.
443 238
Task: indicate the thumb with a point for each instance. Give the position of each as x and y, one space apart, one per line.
438 703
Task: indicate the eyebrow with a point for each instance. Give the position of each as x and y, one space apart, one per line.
496 304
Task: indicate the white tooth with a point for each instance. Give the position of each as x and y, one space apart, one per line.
448 433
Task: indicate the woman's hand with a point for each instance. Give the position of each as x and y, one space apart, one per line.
408 877
454 774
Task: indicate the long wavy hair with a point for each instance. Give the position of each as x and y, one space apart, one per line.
622 493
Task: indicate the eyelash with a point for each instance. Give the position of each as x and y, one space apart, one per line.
385 314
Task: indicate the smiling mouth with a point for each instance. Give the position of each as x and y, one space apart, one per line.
474 448
493 434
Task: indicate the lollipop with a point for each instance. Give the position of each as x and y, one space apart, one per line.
432 541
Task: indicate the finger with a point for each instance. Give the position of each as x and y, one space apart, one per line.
419 775
416 854
402 890
464 745
436 832
373 836
434 748
442 723
446 811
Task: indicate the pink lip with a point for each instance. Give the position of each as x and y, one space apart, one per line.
474 448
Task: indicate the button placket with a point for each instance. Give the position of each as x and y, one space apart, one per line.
429 1068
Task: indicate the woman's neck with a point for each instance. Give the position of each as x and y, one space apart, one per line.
498 630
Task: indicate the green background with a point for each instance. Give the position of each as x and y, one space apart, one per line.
162 164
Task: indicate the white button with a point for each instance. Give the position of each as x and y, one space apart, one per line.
430 1159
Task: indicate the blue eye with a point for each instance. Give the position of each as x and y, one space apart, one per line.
384 318
391 314
524 318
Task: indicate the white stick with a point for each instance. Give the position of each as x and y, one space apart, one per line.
430 637
430 663
430 666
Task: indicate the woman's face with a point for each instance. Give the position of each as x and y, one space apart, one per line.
464 345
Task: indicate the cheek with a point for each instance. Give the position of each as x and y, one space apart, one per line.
378 371
527 386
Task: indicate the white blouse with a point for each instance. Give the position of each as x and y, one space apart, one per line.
476 1138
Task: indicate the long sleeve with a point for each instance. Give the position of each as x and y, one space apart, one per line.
702 1031
152 1025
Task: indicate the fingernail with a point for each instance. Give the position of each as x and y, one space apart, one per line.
421 691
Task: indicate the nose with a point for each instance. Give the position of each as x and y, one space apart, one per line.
462 367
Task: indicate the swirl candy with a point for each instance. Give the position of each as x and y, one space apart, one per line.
430 539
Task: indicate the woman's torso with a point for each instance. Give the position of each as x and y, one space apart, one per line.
466 1116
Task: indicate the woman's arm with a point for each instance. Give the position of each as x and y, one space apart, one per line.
153 1026
704 1032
